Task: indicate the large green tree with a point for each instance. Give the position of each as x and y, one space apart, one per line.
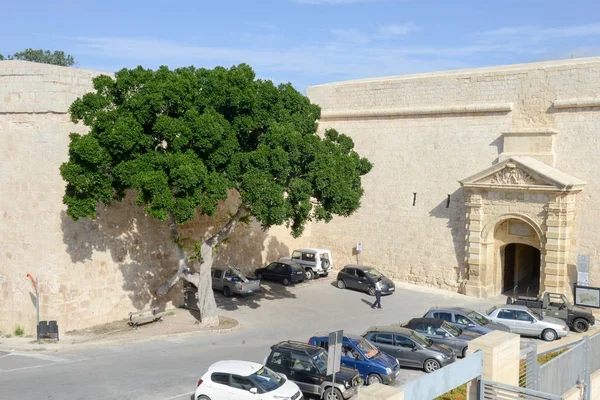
181 139
42 56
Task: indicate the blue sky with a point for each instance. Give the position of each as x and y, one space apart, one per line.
306 42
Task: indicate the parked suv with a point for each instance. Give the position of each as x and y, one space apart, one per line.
374 365
466 319
306 365
316 262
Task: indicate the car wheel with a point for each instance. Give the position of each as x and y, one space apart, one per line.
464 352
286 282
226 291
372 291
332 394
259 276
549 335
202 397
341 284
431 365
580 325
373 379
309 274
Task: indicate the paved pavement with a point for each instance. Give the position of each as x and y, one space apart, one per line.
168 369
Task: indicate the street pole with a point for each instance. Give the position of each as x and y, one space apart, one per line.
37 303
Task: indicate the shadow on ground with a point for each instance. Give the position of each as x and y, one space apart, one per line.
123 246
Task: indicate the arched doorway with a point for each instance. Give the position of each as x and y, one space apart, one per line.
521 269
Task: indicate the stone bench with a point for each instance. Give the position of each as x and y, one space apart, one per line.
137 318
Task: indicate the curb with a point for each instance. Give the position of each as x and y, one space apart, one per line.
107 343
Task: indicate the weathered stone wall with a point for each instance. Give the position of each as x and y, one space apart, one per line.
426 132
89 272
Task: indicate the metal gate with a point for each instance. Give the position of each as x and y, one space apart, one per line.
529 368
497 391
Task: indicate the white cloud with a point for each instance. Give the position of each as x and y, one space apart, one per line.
398 29
335 2
539 34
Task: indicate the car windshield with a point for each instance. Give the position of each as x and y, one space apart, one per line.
420 339
367 348
454 331
491 310
372 272
266 379
320 360
480 319
296 267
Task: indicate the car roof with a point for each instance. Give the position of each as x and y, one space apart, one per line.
294 345
429 321
513 307
390 329
350 336
460 309
287 262
313 250
237 367
361 267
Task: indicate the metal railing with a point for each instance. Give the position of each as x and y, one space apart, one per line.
529 368
566 371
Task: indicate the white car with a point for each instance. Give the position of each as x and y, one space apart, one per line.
235 379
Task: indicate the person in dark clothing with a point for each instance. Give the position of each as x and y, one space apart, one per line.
377 294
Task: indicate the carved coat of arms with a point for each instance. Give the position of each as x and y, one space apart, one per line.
512 176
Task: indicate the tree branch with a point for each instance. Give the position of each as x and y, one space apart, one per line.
183 267
228 228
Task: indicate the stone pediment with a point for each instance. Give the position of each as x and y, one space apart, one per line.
522 172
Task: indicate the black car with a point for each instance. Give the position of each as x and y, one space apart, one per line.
306 365
363 278
285 272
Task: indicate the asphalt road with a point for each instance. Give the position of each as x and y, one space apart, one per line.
169 369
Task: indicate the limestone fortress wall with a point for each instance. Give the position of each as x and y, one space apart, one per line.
522 140
426 132
89 272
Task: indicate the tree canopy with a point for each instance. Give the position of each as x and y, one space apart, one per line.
42 56
182 138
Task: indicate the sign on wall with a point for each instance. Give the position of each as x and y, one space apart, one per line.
359 247
583 270
587 296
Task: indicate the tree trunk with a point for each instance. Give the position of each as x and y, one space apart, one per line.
207 305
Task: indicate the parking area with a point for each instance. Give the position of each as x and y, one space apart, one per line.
169 368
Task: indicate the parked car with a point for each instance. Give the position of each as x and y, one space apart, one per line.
466 319
316 262
363 278
231 280
556 305
375 366
526 322
234 379
441 332
285 272
410 347
306 365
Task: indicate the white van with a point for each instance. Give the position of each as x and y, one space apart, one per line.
316 262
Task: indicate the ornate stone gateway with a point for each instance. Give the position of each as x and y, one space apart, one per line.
520 225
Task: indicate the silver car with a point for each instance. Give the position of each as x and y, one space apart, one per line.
231 280
410 348
524 321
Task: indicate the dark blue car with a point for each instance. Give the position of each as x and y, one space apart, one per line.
373 365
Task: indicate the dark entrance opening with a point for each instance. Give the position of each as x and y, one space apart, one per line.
521 270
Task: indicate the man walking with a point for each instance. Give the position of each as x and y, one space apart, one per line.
377 294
